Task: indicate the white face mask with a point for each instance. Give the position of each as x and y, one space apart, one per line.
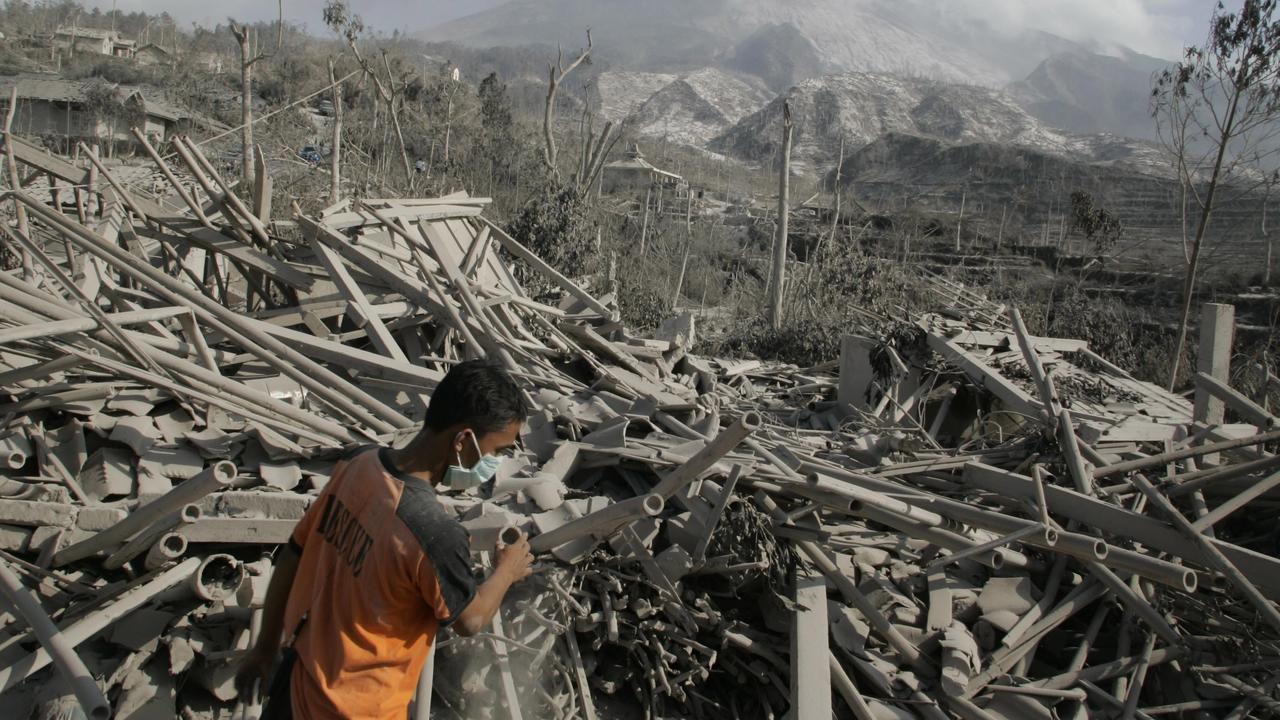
464 478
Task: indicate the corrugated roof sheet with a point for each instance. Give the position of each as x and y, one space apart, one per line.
57 89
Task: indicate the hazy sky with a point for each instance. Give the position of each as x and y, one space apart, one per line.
1158 27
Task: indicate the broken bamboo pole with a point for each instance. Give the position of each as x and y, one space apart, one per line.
60 652
15 671
327 385
1220 562
215 477
1191 452
599 524
909 653
709 455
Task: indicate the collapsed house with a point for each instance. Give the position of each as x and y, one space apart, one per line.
959 521
65 112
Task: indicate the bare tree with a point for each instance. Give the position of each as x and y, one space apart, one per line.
339 18
556 73
335 153
1266 239
1217 112
778 275
249 56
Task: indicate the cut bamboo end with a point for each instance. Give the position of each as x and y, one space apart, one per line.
217 578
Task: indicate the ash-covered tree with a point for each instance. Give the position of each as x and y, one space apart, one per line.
1218 113
497 138
1100 227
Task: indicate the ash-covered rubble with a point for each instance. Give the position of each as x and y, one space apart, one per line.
925 529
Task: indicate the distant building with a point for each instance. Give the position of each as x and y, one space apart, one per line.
59 111
210 61
635 173
92 40
152 54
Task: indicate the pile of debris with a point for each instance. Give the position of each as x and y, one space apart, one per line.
942 524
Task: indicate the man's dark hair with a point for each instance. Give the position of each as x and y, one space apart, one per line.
478 393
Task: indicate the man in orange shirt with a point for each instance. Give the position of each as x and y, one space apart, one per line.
377 564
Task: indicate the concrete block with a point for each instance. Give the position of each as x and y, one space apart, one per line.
274 505
678 330
14 538
1217 334
99 518
675 562
276 446
36 514
1007 593
856 373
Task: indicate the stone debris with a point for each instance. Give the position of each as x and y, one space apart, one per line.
959 520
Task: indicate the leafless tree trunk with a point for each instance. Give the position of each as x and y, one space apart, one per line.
1217 113
249 58
20 210
778 276
688 244
644 223
335 153
390 97
241 33
960 222
448 123
835 215
1197 246
1004 212
555 74
1266 271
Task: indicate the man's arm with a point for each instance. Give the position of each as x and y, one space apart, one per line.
512 567
257 665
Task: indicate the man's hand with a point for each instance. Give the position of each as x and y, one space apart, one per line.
255 668
515 560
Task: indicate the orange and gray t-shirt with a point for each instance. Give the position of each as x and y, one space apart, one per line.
383 565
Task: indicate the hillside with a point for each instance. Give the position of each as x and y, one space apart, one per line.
860 107
1088 92
1034 187
907 37
690 109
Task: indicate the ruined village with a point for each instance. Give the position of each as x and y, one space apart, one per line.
857 388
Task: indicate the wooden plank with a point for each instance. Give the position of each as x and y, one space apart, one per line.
810 652
1247 409
348 220
253 258
358 307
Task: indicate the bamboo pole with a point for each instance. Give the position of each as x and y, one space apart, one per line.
89 626
778 272
63 655
328 386
1265 607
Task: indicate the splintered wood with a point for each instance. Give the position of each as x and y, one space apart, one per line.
960 520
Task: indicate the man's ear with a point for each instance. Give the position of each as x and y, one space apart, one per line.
460 442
